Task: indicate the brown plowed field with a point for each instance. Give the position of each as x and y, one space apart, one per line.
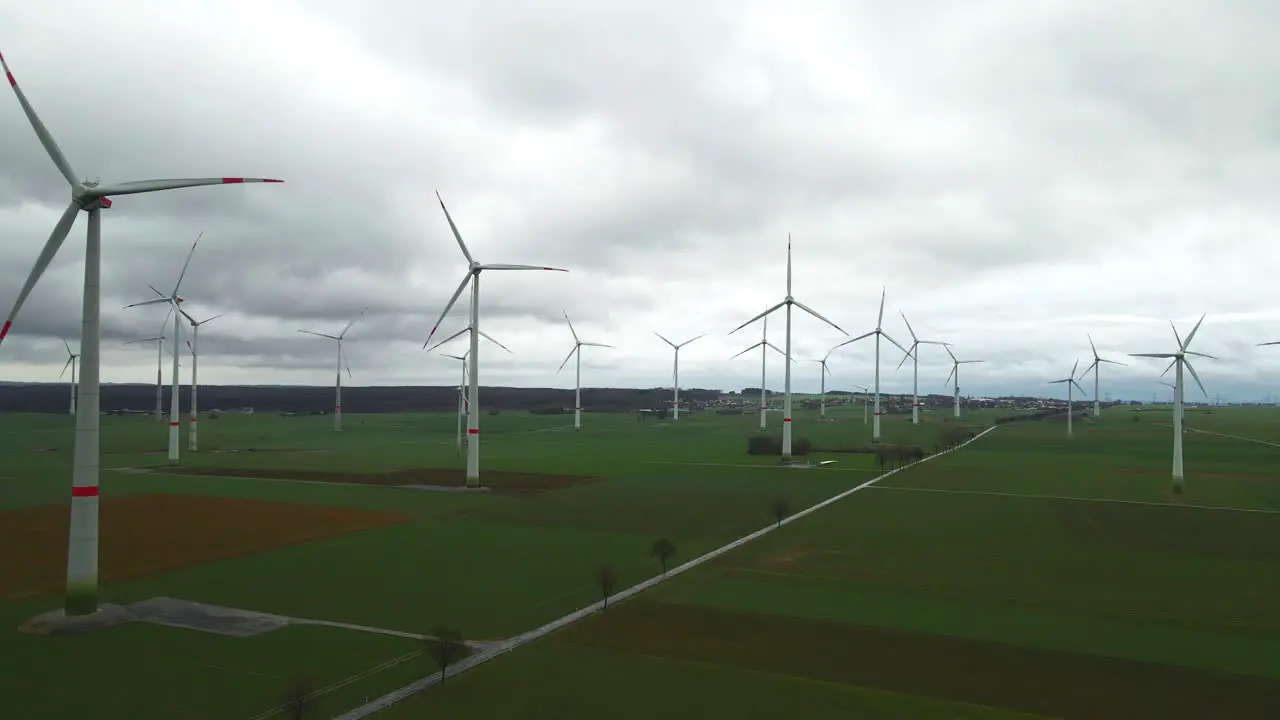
154 533
1046 682
496 480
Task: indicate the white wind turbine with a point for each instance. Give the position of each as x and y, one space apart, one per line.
71 363
341 363
92 198
1070 381
194 345
955 371
1094 366
675 370
764 346
462 397
473 391
787 302
159 341
1177 361
577 383
464 405
822 383
878 332
1173 396
915 367
175 309
865 390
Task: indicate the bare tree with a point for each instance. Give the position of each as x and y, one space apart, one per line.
445 645
664 550
299 700
607 579
781 509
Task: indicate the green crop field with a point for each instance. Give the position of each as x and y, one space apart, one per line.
1024 575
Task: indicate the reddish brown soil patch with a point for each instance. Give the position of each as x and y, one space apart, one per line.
1046 682
1224 476
154 533
496 480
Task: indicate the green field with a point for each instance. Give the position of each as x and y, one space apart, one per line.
1023 575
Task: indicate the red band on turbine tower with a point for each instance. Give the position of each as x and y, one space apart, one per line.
174 423
786 419
84 491
473 431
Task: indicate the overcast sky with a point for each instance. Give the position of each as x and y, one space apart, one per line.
1015 174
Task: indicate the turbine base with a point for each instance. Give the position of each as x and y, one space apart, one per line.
58 622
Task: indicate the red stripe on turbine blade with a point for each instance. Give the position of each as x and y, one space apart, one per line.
5 330
473 431
12 82
84 491
272 180
232 181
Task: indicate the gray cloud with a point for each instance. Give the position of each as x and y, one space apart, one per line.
1016 177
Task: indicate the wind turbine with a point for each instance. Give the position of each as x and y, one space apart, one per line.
787 302
462 397
174 302
92 198
464 406
159 341
473 392
1179 360
578 344
915 367
71 363
864 390
764 345
822 383
1094 366
1070 381
194 345
675 371
955 370
878 332
341 362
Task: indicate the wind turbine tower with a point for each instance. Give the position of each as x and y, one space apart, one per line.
765 346
913 353
1070 381
578 344
337 386
675 370
1094 366
955 371
878 332
71 363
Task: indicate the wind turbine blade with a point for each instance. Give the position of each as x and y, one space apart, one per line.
757 317
323 335
1092 346
64 367
67 345
1092 366
158 293
1187 344
825 369
207 320
753 347
659 336
1166 370
965 362
455 357
567 358
346 364
1074 368
880 317
353 322
895 342
854 340
187 264
571 330
142 340
503 266
814 313
456 235
953 355
1168 385
594 344
904 358
1196 354
1113 362
145 186
188 317
1268 343
1055 382
778 350
1194 375
914 339
1151 355
686 342
42 132
788 264
453 337
155 301
449 306
1073 382
950 374
1176 336
488 337
51 246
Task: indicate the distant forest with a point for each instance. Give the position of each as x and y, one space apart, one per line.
55 398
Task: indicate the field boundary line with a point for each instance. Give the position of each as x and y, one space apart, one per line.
734 465
1114 501
505 646
1225 435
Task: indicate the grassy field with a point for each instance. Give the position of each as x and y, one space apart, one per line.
1023 576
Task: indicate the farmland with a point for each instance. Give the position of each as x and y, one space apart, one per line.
1023 575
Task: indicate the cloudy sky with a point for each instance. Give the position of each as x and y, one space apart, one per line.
1015 174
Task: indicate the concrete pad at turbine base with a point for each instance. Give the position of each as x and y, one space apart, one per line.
58 622
447 488
205 618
